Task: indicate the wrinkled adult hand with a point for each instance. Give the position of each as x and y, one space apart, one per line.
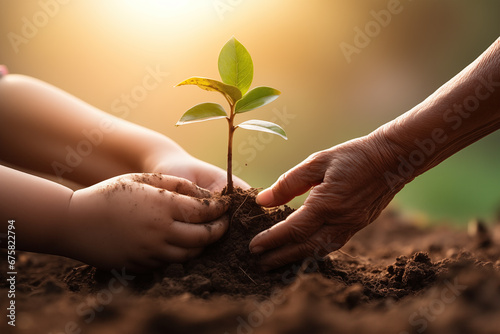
141 221
348 193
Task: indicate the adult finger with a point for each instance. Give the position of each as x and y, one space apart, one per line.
297 228
295 182
196 235
314 249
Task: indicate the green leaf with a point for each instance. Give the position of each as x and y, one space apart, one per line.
257 97
235 65
263 126
231 93
202 112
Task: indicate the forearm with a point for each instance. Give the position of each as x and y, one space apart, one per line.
38 206
462 111
53 132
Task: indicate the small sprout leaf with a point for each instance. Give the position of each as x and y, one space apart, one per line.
235 65
202 112
257 97
231 93
236 71
263 126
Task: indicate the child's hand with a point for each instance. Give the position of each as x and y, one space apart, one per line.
181 164
141 221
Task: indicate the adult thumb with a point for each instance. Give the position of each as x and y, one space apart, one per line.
294 182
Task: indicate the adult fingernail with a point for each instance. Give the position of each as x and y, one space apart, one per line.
265 197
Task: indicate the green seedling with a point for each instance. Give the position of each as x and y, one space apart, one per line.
236 71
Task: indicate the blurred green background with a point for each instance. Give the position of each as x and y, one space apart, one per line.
101 50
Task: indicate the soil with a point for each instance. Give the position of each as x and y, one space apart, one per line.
392 277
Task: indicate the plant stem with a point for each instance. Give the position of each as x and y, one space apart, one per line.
230 122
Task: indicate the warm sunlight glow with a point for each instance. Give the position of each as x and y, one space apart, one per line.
153 20
166 8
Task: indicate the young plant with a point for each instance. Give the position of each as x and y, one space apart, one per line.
236 71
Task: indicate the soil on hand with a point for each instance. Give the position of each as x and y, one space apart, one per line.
392 277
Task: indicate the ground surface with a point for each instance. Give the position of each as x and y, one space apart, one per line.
392 277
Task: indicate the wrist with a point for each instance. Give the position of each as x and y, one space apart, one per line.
162 156
395 167
40 217
58 238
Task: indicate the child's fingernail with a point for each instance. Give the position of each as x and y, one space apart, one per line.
256 249
265 197
3 70
265 268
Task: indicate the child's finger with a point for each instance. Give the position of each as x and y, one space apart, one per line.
186 201
168 253
3 70
175 254
195 210
172 183
292 230
197 235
